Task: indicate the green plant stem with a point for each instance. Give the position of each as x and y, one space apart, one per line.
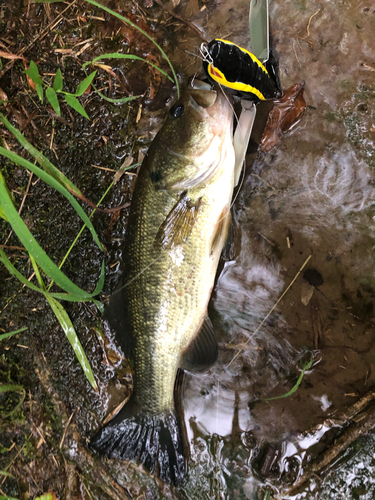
6 335
297 384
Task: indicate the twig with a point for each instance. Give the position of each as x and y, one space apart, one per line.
39 35
268 241
308 25
272 309
352 433
368 67
12 247
66 428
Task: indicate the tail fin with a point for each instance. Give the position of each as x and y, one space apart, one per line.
153 440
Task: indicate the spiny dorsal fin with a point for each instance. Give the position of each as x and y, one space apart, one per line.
202 351
178 224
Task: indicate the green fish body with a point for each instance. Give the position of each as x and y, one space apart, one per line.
177 228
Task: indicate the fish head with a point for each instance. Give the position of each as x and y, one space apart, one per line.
195 140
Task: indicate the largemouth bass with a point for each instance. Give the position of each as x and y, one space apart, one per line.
177 228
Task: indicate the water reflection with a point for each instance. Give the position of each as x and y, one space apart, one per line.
311 195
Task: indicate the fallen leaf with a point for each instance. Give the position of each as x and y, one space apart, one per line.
155 76
3 96
128 161
306 293
285 113
48 496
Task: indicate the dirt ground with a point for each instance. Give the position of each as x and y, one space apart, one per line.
304 212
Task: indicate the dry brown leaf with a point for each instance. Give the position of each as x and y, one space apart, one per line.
306 293
3 95
155 76
128 161
285 113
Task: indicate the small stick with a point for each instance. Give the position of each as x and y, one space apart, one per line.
352 433
39 35
66 428
308 25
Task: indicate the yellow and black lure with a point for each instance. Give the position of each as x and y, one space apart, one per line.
239 70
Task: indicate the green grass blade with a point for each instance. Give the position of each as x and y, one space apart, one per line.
116 55
60 296
2 214
84 85
51 181
297 384
71 298
33 73
13 388
39 91
76 105
126 20
41 159
4 473
53 100
68 328
8 498
4 336
34 248
115 101
58 81
4 259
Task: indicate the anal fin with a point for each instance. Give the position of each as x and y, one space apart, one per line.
178 224
202 351
116 315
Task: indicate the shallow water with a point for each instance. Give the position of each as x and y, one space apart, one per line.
311 195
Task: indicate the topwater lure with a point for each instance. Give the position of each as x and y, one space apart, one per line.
238 69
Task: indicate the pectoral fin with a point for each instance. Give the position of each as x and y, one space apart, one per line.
203 350
178 225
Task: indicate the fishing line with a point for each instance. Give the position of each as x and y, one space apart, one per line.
137 275
206 57
271 310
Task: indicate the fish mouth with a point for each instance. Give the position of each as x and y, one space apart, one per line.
210 101
197 84
201 95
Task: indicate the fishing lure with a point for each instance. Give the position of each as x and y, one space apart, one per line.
238 69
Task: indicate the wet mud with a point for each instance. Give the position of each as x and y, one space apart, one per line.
302 216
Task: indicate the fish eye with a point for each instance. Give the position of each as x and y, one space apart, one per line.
176 110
